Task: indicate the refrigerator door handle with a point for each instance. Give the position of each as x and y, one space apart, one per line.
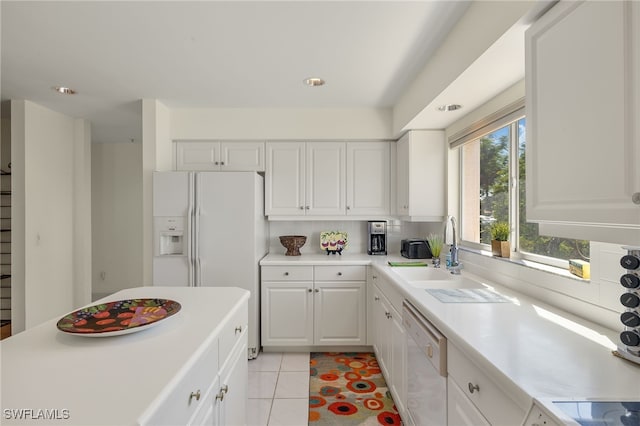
196 232
196 244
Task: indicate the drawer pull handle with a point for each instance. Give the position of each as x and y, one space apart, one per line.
473 388
317 290
224 389
220 396
238 329
195 395
430 351
339 274
375 277
310 290
286 274
376 298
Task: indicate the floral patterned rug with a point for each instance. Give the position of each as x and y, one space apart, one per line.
349 389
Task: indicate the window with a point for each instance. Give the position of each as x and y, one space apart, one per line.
493 177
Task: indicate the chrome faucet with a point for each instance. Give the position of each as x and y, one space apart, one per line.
451 239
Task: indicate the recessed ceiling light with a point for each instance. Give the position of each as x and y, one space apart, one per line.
449 107
64 90
313 81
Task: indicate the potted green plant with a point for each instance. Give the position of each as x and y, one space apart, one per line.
435 244
500 239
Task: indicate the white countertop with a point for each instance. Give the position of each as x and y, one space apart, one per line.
534 350
319 259
110 380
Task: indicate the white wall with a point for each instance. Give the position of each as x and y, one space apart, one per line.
460 49
281 123
116 217
356 234
157 154
47 218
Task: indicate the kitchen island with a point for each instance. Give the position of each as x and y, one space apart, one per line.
172 373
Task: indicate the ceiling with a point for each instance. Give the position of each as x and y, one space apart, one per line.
228 54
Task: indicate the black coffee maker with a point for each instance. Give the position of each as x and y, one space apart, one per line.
377 237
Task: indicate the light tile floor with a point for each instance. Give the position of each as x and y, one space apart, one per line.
278 389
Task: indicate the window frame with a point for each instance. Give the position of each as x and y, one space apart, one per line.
508 116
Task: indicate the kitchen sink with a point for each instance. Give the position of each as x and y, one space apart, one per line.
421 273
433 283
457 282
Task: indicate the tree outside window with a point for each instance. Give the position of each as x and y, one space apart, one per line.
487 169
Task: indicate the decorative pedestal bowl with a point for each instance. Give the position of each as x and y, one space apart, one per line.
293 243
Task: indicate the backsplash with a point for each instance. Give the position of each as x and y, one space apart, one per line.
356 231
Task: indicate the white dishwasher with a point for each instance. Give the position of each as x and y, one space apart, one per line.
427 370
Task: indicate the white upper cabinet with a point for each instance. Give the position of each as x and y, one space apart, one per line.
421 180
285 179
327 179
368 178
583 103
234 156
305 179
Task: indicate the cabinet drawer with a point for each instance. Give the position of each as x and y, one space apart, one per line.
388 289
232 331
340 273
188 394
486 395
287 273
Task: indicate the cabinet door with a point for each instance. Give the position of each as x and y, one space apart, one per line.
202 155
242 156
207 414
421 179
285 179
460 410
325 179
234 378
402 180
340 313
582 133
398 371
287 313
368 178
382 343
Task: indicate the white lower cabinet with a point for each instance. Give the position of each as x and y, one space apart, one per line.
389 338
313 305
398 361
460 409
231 398
214 390
475 399
339 313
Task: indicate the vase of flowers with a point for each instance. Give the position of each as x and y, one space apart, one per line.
435 245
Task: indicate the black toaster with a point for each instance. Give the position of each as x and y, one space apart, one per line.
415 249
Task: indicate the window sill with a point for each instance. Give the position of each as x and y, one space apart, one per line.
528 264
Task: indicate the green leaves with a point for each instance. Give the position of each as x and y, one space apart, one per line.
500 231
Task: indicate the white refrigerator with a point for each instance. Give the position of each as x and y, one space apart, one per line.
210 230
